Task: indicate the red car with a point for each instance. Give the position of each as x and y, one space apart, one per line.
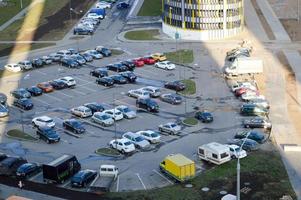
138 62
148 60
241 91
45 86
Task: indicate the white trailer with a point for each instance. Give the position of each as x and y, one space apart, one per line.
244 65
214 152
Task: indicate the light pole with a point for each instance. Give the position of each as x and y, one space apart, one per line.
238 168
298 10
21 4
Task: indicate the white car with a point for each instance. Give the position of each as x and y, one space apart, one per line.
81 111
69 81
103 4
13 67
124 145
138 94
261 103
137 140
151 136
250 95
43 121
153 91
171 128
94 16
235 151
167 65
26 64
114 113
63 53
102 119
248 85
127 112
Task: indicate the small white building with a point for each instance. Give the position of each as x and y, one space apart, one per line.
214 152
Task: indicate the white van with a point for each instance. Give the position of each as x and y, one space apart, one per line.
214 152
108 170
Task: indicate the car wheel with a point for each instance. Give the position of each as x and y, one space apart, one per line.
105 84
122 151
247 126
148 109
48 141
111 146
33 124
160 129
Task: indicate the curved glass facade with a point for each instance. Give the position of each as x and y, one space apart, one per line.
211 19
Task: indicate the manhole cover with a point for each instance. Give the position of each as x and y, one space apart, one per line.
223 192
188 185
205 189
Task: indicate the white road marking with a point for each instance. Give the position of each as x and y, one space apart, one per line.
148 71
64 94
162 176
35 176
64 185
41 101
92 90
117 185
83 80
141 181
82 93
40 72
52 97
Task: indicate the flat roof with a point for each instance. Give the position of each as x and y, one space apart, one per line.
60 159
180 160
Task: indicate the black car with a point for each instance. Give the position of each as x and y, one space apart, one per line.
37 62
94 107
34 91
104 51
175 85
118 67
87 57
78 58
82 31
28 169
105 81
48 134
204 116
129 64
69 62
58 84
20 93
123 5
130 76
147 104
24 103
83 177
253 135
2 156
3 99
74 126
99 72
171 98
257 122
55 57
118 79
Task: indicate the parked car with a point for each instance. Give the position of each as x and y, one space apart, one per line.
79 59
3 99
158 57
55 57
105 81
167 65
69 62
58 84
260 103
147 104
64 53
175 85
20 93
123 145
127 112
153 91
74 126
123 5
249 96
43 121
9 165
129 64
83 178
37 62
148 60
103 4
114 113
28 169
204 116
171 98
139 93
170 128
236 152
81 111
253 110
118 79
117 67
82 31
34 91
137 62
13 67
137 140
130 76
3 111
104 51
69 81
48 134
99 72
239 85
95 54
87 57
94 107
45 86
102 119
46 60
73 51
253 135
257 122
23 103
151 136
249 145
239 92
25 65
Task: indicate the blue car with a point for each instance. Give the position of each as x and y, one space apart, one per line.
204 116
28 169
253 135
24 103
123 5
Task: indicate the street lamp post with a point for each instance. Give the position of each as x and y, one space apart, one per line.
298 10
21 4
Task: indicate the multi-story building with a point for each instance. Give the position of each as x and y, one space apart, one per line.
202 19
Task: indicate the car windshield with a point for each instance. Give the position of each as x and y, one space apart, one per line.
50 132
25 101
154 135
48 120
104 117
127 143
76 123
126 110
173 125
139 139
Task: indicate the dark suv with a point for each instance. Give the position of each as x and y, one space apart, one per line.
130 76
99 72
74 126
117 67
253 110
129 64
148 104
48 134
105 81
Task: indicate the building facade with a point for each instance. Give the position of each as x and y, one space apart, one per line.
202 19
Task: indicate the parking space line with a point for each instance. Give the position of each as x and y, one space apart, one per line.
83 80
163 176
65 94
41 101
82 93
148 71
117 184
88 88
40 72
141 181
53 97
64 185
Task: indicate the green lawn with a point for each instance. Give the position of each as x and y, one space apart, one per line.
107 152
190 87
13 7
18 134
190 121
184 56
151 8
264 171
142 34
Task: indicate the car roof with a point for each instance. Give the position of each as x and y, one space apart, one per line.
122 106
68 78
131 134
123 140
82 107
44 118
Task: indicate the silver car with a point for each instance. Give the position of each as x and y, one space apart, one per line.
171 128
137 140
81 111
153 91
102 119
127 112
